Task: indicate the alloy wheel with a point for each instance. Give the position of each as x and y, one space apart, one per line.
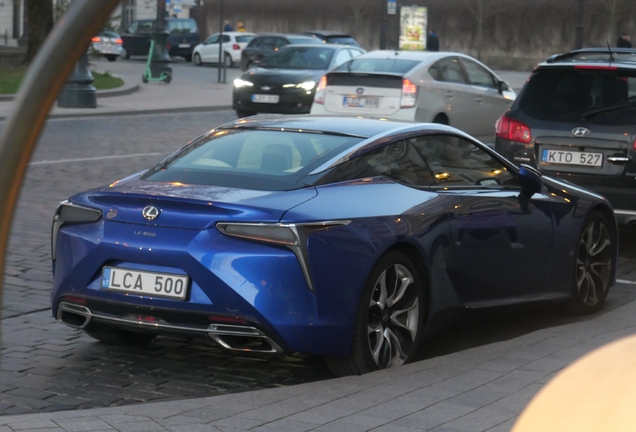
393 321
594 263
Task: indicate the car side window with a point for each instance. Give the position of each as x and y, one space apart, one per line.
226 38
133 28
267 43
477 75
448 70
280 42
398 161
457 162
355 52
341 57
146 27
212 40
254 43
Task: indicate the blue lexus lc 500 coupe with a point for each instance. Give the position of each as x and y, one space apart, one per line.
350 238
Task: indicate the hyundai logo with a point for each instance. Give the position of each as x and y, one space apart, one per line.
150 212
359 90
580 132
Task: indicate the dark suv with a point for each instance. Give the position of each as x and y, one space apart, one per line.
265 44
184 36
575 119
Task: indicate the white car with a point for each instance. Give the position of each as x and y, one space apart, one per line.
109 44
233 45
438 87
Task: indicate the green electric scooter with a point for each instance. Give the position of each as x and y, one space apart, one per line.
147 75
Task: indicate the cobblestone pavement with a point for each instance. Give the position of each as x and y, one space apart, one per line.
45 366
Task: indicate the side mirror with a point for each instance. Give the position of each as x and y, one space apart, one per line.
502 86
530 180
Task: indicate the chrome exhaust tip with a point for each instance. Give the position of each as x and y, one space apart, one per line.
73 315
243 339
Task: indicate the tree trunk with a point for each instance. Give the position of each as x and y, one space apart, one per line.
40 22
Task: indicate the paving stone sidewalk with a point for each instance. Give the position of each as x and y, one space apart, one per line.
481 389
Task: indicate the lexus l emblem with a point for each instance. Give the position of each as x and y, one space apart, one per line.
150 212
266 88
359 90
580 132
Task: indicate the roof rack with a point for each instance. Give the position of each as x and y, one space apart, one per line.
611 52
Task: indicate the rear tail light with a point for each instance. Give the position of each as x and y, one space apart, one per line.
96 39
634 146
319 98
513 130
119 41
409 94
236 47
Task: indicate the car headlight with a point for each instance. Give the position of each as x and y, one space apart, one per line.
67 213
238 83
307 85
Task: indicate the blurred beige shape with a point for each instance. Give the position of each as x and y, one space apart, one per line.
597 393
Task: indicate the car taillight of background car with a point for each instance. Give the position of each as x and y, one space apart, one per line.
513 130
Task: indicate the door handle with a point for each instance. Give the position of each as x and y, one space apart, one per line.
449 94
619 160
479 100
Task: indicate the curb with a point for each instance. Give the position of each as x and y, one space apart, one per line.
137 112
122 90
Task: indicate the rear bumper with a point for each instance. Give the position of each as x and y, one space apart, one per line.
407 114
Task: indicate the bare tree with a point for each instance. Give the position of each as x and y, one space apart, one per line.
611 11
40 23
482 10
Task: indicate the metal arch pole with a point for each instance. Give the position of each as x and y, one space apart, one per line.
46 76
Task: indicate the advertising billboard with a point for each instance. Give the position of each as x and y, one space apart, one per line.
413 28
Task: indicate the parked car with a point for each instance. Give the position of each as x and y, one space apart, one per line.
232 47
347 237
183 37
576 119
439 87
107 43
285 81
263 45
332 37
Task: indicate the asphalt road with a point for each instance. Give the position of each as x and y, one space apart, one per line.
45 366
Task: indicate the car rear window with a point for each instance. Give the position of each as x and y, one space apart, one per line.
182 26
575 95
315 58
250 159
381 65
342 40
241 39
304 40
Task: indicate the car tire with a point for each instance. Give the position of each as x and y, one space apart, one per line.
441 119
594 261
117 336
227 60
197 60
110 57
243 113
124 54
390 318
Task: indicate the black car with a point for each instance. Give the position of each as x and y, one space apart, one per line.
575 119
263 45
184 36
285 82
332 37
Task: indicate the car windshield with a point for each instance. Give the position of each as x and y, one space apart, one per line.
318 58
381 65
304 40
250 159
569 95
182 26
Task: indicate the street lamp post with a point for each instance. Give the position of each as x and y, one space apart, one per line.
160 58
383 23
578 44
221 59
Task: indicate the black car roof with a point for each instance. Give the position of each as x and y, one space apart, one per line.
326 33
623 57
354 126
285 35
